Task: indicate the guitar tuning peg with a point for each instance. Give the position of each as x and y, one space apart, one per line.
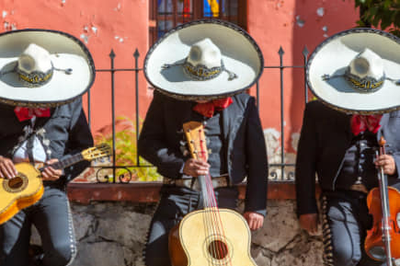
179 131
183 143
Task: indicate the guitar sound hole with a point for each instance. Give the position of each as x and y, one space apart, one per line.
218 249
15 183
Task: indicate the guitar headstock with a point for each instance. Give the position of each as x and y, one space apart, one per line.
194 132
99 151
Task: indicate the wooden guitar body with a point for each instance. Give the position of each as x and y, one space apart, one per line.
20 192
194 242
27 188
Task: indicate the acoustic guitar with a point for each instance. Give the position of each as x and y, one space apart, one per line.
26 188
211 236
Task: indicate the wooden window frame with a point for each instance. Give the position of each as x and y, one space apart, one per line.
240 19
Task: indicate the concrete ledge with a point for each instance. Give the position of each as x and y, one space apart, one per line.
142 192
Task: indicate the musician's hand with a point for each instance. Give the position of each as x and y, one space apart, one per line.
7 168
254 220
387 162
195 167
309 222
49 173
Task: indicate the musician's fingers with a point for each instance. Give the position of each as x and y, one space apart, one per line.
388 169
8 169
51 161
257 224
201 163
387 162
195 167
254 220
50 173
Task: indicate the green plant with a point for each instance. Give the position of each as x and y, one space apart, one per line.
380 13
126 151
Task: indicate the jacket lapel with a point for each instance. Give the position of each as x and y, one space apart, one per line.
383 123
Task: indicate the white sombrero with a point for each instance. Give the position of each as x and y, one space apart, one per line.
204 59
43 68
357 71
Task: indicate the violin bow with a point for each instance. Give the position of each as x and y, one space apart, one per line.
383 189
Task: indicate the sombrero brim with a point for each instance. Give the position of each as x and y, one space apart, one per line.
67 52
334 55
240 54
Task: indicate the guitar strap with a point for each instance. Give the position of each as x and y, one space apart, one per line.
29 148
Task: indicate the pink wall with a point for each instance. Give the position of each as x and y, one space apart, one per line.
121 25
292 24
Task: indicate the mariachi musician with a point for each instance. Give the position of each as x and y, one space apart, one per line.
200 71
353 74
43 74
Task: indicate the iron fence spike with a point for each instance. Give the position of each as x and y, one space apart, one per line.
136 54
305 51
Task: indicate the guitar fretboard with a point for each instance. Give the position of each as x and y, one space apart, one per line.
66 162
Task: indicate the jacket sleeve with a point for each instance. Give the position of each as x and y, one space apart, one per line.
153 143
79 138
256 153
306 160
394 146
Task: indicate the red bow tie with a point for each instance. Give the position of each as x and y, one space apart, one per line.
207 109
360 123
25 113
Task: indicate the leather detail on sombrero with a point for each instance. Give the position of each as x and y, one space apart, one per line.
204 60
43 68
357 71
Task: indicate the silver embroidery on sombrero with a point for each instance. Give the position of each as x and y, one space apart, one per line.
35 78
39 78
201 72
366 84
326 236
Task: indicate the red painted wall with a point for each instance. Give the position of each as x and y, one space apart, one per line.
292 25
123 25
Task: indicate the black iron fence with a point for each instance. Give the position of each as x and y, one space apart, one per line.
123 174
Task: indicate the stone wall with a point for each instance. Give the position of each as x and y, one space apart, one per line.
113 234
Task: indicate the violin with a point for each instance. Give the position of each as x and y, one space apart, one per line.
383 239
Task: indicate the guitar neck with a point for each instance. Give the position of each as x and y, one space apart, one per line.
207 191
66 162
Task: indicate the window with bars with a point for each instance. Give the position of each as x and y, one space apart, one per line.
167 14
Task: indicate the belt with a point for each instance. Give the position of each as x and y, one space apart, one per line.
193 183
359 187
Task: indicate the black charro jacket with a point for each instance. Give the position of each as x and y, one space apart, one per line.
160 138
325 137
66 129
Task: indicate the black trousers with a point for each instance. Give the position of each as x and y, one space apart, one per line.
51 216
175 203
345 223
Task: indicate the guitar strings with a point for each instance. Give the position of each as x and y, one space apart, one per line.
212 217
208 223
